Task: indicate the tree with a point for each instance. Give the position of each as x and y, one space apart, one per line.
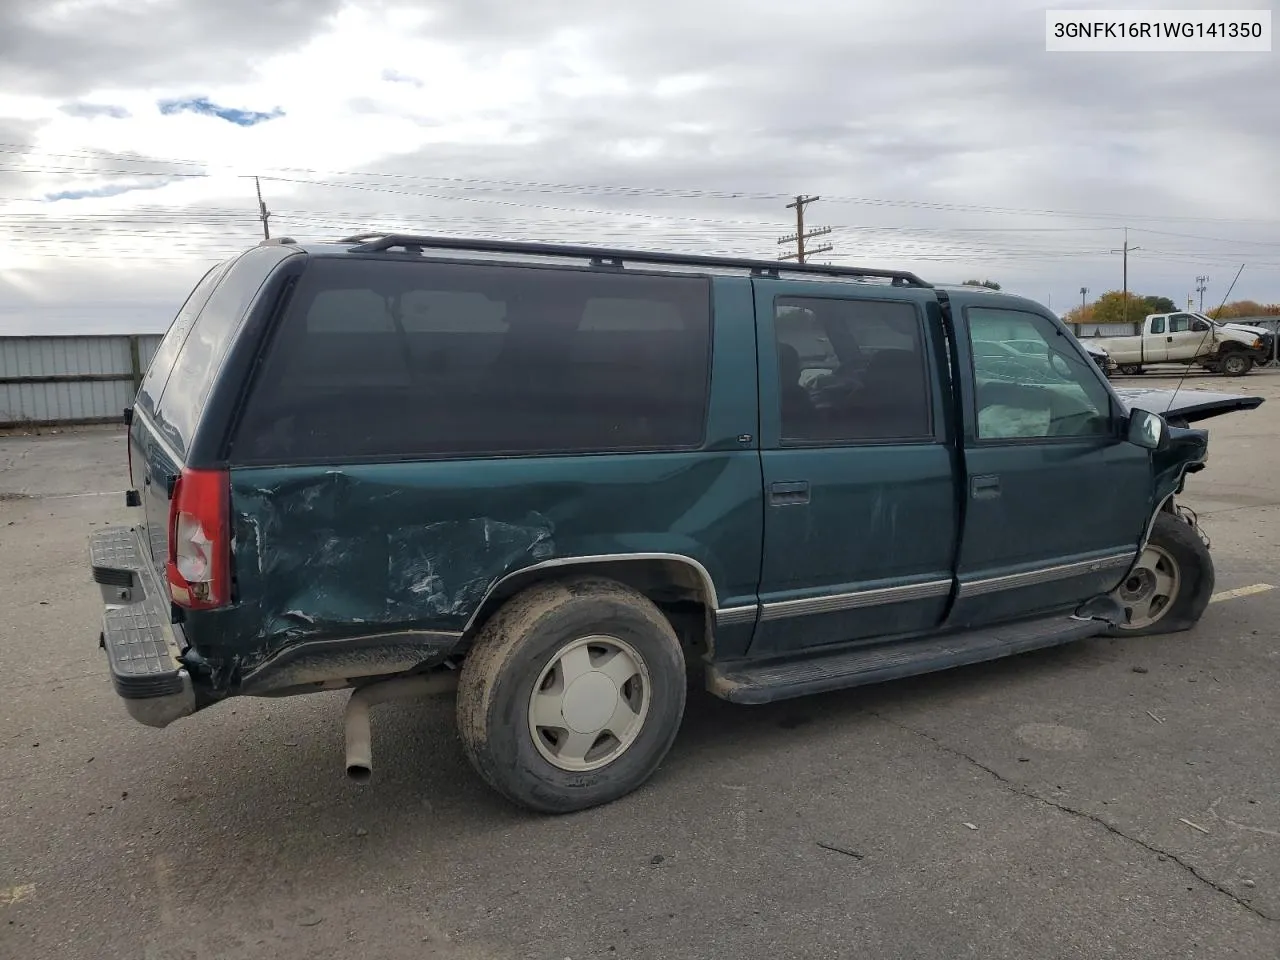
1110 308
1244 308
989 284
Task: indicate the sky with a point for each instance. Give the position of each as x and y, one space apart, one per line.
940 136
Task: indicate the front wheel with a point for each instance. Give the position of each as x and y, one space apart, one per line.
572 695
1169 587
1236 364
1130 369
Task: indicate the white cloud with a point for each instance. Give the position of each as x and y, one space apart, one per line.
460 115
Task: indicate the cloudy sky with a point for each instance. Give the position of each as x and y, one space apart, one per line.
940 135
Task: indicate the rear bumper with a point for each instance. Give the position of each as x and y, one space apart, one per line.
142 647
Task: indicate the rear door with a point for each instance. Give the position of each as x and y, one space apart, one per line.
859 474
1055 500
1156 340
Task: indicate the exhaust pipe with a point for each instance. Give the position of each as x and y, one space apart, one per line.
356 721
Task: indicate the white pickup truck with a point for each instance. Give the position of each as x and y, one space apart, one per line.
1188 338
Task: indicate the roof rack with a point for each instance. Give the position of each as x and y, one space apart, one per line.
599 256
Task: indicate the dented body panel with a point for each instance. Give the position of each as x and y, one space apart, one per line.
327 553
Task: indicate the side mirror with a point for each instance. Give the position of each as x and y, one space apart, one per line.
1147 430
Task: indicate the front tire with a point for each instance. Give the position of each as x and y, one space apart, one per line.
1130 369
1169 587
572 695
1236 364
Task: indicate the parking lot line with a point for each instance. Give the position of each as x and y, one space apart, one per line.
1241 592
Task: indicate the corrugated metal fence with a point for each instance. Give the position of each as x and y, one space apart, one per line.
47 380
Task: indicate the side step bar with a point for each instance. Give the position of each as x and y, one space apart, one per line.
753 683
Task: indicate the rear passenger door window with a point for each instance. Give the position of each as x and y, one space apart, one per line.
851 371
380 358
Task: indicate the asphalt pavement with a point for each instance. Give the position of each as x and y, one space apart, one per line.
1111 799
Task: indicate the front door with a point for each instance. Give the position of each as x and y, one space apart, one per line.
1056 502
860 479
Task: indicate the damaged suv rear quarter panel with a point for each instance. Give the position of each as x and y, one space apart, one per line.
369 550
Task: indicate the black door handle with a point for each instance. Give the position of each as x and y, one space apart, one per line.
985 488
786 492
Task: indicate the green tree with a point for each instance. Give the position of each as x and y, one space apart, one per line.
989 284
1110 308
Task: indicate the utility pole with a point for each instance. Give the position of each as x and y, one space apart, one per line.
1126 250
1202 284
800 236
1084 292
263 215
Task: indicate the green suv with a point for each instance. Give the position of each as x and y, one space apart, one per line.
556 482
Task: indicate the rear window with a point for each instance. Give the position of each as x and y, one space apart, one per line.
202 351
403 359
161 365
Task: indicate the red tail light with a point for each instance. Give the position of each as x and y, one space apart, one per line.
199 565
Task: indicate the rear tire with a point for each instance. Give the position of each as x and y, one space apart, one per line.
1170 585
572 695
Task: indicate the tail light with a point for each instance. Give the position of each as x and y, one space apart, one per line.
199 564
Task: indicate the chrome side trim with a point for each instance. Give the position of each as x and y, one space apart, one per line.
1031 578
708 584
835 602
160 438
731 616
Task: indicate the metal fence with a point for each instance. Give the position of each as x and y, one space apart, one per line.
53 380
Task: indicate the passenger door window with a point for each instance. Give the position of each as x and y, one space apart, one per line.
1053 392
851 371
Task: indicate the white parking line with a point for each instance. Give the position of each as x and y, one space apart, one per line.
1241 592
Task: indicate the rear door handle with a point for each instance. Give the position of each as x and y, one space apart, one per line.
786 492
985 488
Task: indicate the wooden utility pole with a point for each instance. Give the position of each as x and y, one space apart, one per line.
800 236
1126 250
263 215
1202 284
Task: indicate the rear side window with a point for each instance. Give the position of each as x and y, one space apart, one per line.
161 365
404 359
205 347
851 371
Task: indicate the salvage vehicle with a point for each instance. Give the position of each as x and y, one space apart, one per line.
1186 338
558 482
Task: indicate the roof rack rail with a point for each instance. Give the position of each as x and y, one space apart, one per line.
277 241
378 242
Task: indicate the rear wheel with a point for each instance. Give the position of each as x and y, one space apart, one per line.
572 695
1236 364
1169 587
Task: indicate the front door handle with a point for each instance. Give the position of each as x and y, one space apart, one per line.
985 488
787 492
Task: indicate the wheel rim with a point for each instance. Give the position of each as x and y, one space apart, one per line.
1147 594
589 703
1234 364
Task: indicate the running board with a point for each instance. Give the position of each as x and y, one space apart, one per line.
747 682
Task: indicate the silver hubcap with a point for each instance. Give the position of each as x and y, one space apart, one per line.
589 704
1149 590
1234 364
